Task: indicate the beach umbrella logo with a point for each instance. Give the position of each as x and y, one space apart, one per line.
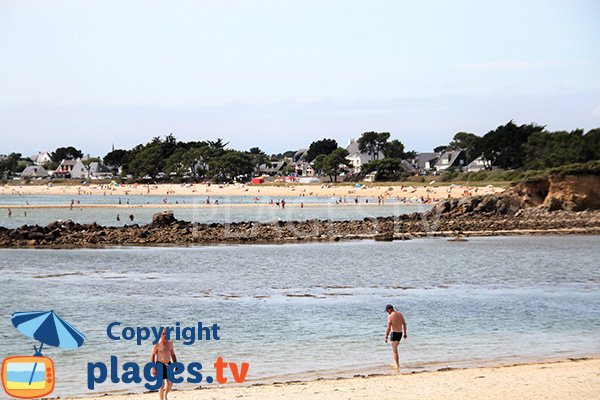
30 377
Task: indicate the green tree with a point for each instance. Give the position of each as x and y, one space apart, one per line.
333 164
115 158
372 143
216 148
386 169
592 144
188 160
439 149
259 157
9 165
194 160
175 164
553 149
503 146
410 154
169 145
233 164
323 146
65 153
469 142
394 149
319 163
147 161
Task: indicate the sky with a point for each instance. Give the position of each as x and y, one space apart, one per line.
280 74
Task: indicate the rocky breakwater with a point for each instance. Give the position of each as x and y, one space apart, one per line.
167 230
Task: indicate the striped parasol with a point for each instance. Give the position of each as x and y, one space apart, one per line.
48 328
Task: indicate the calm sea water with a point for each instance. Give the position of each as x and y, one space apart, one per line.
111 199
229 209
302 311
65 200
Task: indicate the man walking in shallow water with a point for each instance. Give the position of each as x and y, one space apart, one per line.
162 354
396 326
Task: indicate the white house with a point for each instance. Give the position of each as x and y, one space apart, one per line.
302 168
75 168
41 158
478 164
356 157
79 170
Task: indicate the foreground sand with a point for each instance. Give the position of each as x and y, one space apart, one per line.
579 379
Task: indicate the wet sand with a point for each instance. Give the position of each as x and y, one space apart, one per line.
571 379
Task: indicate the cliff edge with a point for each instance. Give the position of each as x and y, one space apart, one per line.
576 188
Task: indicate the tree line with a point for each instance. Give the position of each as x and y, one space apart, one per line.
509 146
193 160
528 146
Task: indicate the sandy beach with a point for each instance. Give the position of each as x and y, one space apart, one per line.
431 192
570 379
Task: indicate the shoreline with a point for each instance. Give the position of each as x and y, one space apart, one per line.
203 205
556 378
436 191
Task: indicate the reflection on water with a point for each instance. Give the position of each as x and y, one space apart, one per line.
300 311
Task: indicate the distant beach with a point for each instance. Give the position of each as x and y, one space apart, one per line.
433 192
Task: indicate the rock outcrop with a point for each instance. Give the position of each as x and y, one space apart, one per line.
551 193
163 218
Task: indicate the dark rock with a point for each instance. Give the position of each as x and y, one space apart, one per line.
487 205
163 218
553 204
384 237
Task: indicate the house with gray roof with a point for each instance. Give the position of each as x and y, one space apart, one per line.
449 160
409 168
357 158
35 172
300 155
424 162
97 170
272 167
